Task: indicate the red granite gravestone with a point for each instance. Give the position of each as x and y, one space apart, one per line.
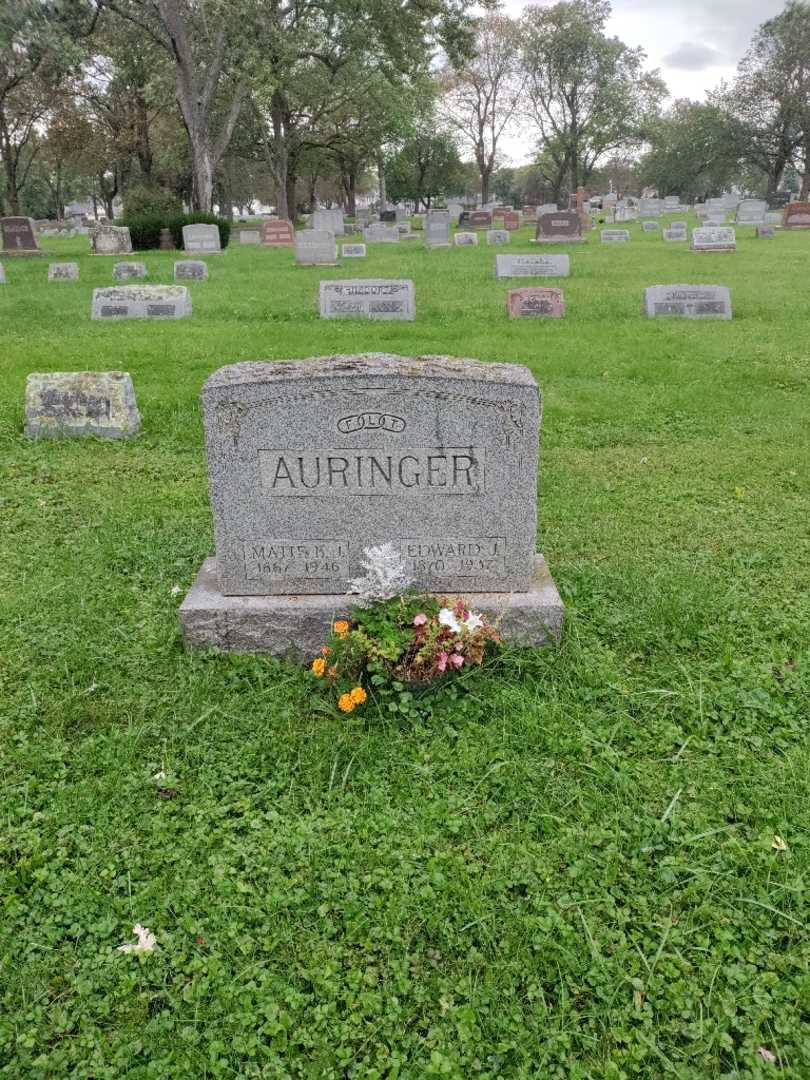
18 236
797 215
479 219
278 234
511 220
560 228
535 303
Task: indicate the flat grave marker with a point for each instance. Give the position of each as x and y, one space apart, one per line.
353 251
533 303
688 302
141 302
66 271
191 270
466 239
718 239
129 271
511 266
498 236
368 298
76 403
615 236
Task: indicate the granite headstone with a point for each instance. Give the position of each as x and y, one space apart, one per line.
191 270
129 271
73 403
535 303
368 298
67 271
511 266
315 247
201 238
141 302
688 302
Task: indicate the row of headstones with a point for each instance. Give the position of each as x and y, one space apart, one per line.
184 270
18 235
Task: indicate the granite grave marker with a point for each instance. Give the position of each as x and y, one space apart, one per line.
191 270
278 234
687 302
311 462
511 266
18 236
129 271
111 240
562 227
315 247
718 239
201 238
368 298
141 302
75 403
532 303
67 271
353 251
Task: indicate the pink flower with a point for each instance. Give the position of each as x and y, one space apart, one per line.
442 664
420 619
456 660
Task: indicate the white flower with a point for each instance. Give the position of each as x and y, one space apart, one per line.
448 619
473 621
145 943
385 575
159 775
176 590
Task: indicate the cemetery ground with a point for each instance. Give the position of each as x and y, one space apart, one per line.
593 865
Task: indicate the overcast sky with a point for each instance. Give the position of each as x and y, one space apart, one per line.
694 43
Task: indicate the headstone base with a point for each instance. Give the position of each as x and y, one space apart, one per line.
297 626
21 254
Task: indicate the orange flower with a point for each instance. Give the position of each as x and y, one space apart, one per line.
341 628
358 695
345 703
318 667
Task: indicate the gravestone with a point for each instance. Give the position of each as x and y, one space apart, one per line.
141 302
751 212
380 233
797 216
466 239
166 241
709 239
547 208
368 298
191 270
530 213
479 219
314 247
72 403
508 266
615 236
362 216
68 271
18 236
111 240
129 271
353 251
437 230
650 226
311 462
201 238
676 233
328 221
249 237
650 208
498 236
564 227
278 234
535 303
688 302
404 228
388 217
766 232
512 220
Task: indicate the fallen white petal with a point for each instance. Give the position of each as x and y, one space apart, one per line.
145 943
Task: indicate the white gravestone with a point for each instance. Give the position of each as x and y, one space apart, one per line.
141 302
688 302
512 266
368 298
68 271
315 247
201 238
719 239
75 403
353 251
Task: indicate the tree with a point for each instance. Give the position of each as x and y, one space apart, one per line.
426 165
694 151
210 50
307 52
38 46
480 99
587 94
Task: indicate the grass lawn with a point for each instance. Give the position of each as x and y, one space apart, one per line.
574 875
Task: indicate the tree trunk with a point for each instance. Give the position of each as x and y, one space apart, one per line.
486 176
202 172
381 180
292 208
351 193
143 146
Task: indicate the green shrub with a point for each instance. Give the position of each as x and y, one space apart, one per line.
146 200
145 229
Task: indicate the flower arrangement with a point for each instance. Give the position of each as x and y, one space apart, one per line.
394 647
